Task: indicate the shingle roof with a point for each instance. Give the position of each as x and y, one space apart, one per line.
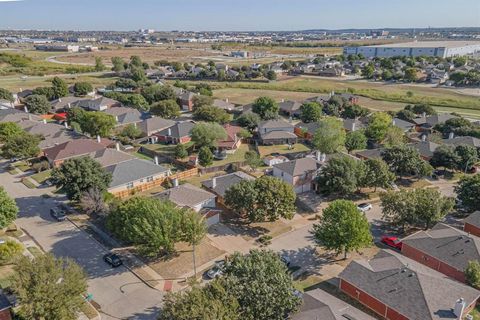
298 167
278 135
353 124
434 120
370 153
125 115
452 246
107 157
95 103
473 219
133 170
463 140
178 130
425 148
71 149
64 102
155 124
14 115
186 195
289 106
226 181
309 127
408 287
402 124
223 104
52 133
275 124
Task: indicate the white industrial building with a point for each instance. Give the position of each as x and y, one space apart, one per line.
441 49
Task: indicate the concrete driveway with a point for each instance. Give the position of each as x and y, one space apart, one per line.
118 292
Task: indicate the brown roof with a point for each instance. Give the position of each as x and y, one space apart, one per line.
298 167
72 149
186 195
232 138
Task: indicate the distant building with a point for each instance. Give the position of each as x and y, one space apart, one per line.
442 49
53 47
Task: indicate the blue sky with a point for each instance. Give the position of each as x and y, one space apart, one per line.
236 14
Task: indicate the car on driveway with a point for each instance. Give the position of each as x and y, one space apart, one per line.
364 207
58 214
112 259
217 270
393 242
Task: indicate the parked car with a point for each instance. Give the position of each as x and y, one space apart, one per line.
393 242
112 259
286 260
58 214
217 270
364 207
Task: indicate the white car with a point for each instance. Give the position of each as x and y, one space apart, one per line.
364 207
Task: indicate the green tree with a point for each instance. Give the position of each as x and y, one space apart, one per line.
410 75
404 160
99 65
378 174
252 158
180 151
249 120
343 175
136 61
378 126
131 131
23 146
118 65
406 115
368 71
330 136
271 75
155 93
98 124
342 228
445 156
353 111
8 209
202 101
45 91
211 302
468 192
423 108
6 95
37 104
10 251
9 130
310 112
207 134
168 109
78 175
154 225
81 89
261 284
59 87
211 114
76 115
394 136
49 288
266 108
472 273
355 140
468 156
205 156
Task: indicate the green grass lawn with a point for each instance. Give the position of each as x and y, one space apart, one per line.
142 156
36 252
282 149
28 183
22 166
41 177
476 313
238 156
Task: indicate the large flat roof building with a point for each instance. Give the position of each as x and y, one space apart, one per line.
441 49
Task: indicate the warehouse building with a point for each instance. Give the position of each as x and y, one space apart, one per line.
442 49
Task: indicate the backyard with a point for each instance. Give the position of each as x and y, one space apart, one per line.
282 149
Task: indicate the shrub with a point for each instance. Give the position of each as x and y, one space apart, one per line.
9 251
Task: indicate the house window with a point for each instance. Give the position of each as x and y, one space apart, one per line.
130 185
149 179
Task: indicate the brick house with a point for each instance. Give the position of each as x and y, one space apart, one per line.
299 173
186 100
73 149
272 132
219 185
398 288
472 224
233 141
306 130
444 249
179 133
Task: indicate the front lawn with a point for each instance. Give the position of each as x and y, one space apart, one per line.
41 177
282 149
475 313
29 184
22 166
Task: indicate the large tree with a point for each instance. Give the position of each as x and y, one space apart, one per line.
207 134
249 120
76 176
378 125
468 192
168 109
405 161
417 207
98 124
342 228
261 284
59 88
445 156
468 156
155 93
330 136
211 114
342 175
472 273
155 225
378 174
118 65
8 209
355 140
6 95
9 130
205 156
266 108
394 136
21 146
266 198
37 104
202 101
49 288
82 88
310 112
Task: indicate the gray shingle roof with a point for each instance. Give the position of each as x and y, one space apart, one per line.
155 124
473 219
275 124
452 246
289 106
402 124
178 130
222 183
463 140
14 115
278 135
408 287
125 115
298 167
371 153
107 157
133 170
434 120
186 195
309 127
425 148
353 124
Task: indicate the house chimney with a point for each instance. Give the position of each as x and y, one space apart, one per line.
354 124
135 124
424 137
451 135
318 156
99 139
226 100
116 118
44 121
117 146
25 109
69 105
283 100
424 115
169 132
65 124
393 122
59 99
290 119
323 157
155 159
29 117
459 308
214 182
175 182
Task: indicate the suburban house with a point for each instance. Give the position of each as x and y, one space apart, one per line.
318 304
332 72
444 249
398 288
463 140
107 157
185 100
14 115
200 200
306 130
73 149
276 132
179 132
65 103
299 173
96 104
233 141
404 125
272 160
52 134
219 185
353 125
370 153
425 148
135 175
153 125
428 122
6 104
224 104
290 108
472 224
125 115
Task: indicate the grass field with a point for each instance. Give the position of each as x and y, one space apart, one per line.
41 176
281 149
